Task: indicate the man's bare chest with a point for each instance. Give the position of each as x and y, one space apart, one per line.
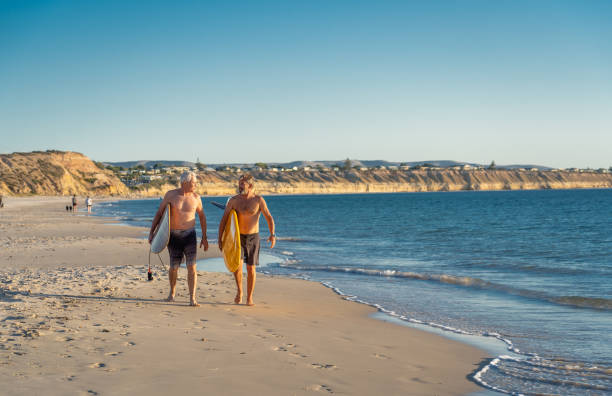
184 204
249 206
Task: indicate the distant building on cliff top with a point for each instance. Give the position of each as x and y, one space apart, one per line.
176 169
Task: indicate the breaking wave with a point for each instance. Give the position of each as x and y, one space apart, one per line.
465 281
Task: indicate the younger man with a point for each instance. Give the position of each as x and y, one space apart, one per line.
248 207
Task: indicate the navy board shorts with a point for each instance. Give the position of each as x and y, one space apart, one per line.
182 243
249 248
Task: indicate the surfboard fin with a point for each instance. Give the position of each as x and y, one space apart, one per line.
218 205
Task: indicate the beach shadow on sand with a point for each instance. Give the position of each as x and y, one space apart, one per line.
10 296
13 296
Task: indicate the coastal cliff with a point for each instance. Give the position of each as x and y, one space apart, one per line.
67 173
387 181
56 173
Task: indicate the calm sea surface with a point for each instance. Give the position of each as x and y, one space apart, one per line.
531 269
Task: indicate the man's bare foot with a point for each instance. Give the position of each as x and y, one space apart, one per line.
194 303
238 298
250 303
170 299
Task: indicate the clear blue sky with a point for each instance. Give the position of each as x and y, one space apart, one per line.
275 81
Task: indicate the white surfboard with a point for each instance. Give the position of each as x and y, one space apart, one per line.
161 236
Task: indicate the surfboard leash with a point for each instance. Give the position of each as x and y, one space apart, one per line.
150 274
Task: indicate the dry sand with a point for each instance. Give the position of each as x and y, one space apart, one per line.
77 316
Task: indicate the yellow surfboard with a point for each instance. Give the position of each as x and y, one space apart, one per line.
231 243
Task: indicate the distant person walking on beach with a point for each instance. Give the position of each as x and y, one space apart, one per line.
248 207
74 203
89 203
184 204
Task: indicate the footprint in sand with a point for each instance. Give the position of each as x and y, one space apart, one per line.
291 349
380 356
129 343
273 334
97 365
113 353
284 348
323 366
320 388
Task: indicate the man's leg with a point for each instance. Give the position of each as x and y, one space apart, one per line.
238 278
192 279
250 284
172 275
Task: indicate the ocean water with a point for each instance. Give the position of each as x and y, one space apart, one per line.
528 270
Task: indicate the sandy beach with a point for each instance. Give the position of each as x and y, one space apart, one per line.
77 316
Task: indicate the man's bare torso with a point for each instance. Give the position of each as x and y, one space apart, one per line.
182 209
248 211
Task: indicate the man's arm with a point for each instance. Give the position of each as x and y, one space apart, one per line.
270 220
202 217
158 215
228 208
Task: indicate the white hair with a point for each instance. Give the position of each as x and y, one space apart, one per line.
186 177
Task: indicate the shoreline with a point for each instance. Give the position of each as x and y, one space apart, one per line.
493 344
316 339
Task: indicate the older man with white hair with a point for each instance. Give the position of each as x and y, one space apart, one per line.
184 204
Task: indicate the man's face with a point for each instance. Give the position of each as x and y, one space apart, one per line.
243 186
189 186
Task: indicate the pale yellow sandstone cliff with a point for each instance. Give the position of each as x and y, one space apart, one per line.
386 181
56 173
66 173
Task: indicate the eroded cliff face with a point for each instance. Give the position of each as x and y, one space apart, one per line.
314 182
67 173
56 173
